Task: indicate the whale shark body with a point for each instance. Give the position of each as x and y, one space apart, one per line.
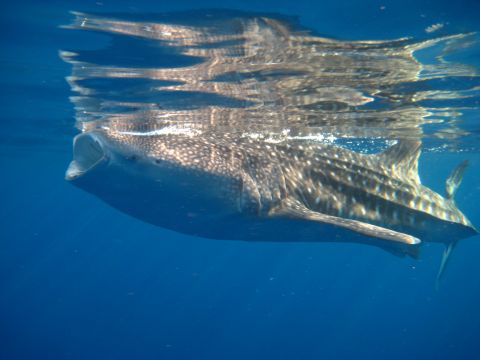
225 186
220 134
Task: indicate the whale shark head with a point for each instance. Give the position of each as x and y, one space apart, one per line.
168 180
89 154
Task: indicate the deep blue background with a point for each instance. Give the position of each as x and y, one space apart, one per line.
79 280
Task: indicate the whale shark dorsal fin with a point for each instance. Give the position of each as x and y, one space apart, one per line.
401 159
455 179
295 209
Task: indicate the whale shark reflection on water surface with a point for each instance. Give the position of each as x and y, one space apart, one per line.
248 129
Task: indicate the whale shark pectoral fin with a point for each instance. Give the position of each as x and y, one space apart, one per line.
455 179
297 210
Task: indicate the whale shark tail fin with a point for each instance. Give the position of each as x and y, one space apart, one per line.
447 252
455 179
451 186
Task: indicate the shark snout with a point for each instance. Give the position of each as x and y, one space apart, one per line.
88 153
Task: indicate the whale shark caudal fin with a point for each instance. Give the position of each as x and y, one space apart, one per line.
294 209
402 159
451 186
455 179
447 252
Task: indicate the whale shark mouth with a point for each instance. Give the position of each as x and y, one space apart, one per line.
88 153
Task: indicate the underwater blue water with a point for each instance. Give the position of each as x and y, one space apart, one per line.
80 280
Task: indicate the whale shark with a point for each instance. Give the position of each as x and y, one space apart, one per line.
226 186
243 126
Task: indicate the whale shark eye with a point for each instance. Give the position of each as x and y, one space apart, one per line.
131 158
